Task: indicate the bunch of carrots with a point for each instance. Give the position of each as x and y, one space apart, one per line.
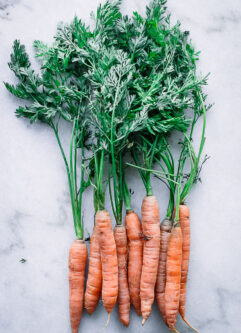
128 87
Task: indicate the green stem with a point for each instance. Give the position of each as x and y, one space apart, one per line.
69 176
81 190
140 169
157 172
176 220
77 217
114 173
75 169
96 175
149 187
120 191
99 193
170 206
110 193
127 196
187 188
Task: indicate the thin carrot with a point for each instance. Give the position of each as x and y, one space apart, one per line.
123 289
108 259
185 226
94 281
173 277
135 247
184 220
77 263
151 232
166 227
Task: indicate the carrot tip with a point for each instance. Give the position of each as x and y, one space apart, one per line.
175 330
185 321
108 320
107 323
143 321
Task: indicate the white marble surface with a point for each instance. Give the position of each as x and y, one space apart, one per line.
35 213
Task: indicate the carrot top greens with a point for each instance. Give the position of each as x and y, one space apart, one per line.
52 95
124 86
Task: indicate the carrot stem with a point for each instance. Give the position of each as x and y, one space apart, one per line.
99 192
126 196
176 220
187 187
170 206
78 228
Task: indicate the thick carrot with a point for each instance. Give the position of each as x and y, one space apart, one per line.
166 227
123 289
135 248
94 281
173 277
108 259
151 234
77 263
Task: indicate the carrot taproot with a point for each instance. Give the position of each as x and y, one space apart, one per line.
77 263
94 281
184 221
173 276
165 227
151 234
135 248
108 259
123 288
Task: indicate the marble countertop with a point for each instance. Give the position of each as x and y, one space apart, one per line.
36 222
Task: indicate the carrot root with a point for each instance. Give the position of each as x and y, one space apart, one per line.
175 330
77 263
165 227
173 279
108 259
123 288
94 280
151 250
185 321
108 320
143 321
135 247
184 219
107 323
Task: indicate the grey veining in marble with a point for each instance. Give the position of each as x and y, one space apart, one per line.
36 223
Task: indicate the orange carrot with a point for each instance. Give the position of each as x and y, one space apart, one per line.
173 277
185 226
184 220
135 247
123 289
166 227
108 259
77 262
151 232
94 281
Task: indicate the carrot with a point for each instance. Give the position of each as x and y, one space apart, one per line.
77 263
184 220
123 288
185 226
94 281
135 247
166 227
108 259
173 276
151 232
